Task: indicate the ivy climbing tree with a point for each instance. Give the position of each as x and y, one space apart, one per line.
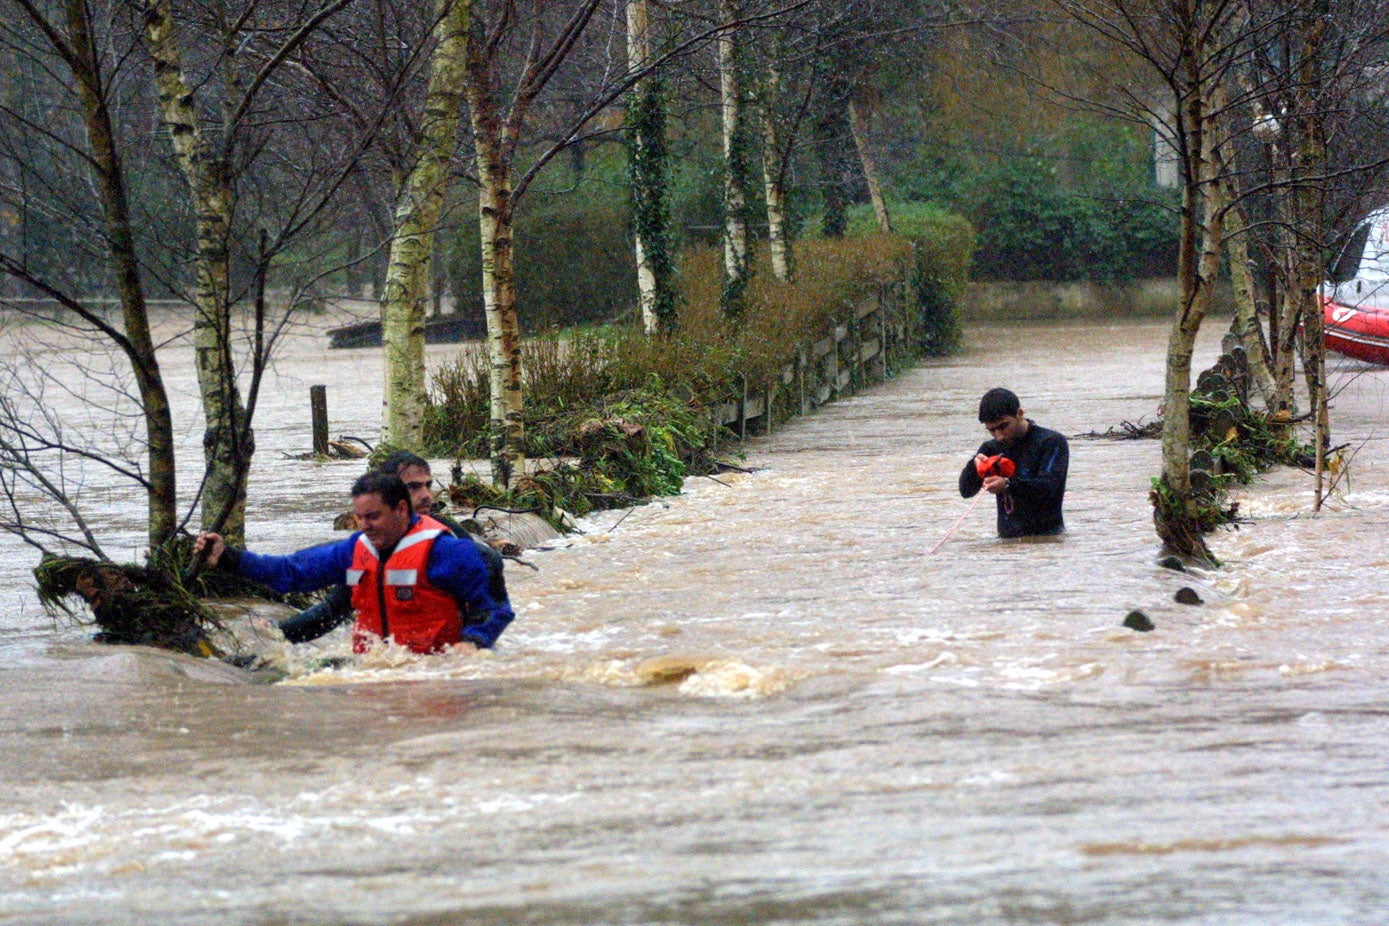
648 168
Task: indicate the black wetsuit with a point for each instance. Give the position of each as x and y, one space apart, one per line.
336 607
1032 503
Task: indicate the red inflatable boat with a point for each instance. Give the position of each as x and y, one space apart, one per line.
1362 333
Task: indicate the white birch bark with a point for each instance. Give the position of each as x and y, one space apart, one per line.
406 294
735 237
774 175
227 444
638 54
858 127
1198 267
495 214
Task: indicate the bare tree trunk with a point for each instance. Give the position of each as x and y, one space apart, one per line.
137 342
1285 350
1203 206
1246 304
735 232
858 126
1309 200
774 175
495 213
406 293
227 442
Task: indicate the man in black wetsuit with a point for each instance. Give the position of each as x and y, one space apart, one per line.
336 607
1029 500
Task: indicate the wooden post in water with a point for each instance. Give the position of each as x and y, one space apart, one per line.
767 407
800 378
743 411
318 404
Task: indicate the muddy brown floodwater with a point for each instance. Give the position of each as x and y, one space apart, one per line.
760 701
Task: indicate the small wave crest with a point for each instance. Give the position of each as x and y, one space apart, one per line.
696 676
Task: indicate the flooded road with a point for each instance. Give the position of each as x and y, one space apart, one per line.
762 701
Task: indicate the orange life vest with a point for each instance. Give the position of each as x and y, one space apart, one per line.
397 600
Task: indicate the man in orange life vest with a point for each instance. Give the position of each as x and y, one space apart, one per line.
336 607
410 577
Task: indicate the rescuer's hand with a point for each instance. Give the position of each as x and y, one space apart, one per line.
212 543
995 484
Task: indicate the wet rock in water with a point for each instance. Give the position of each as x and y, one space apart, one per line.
1137 620
1187 595
1172 562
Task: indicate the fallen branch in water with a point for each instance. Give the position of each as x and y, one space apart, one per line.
129 604
1127 430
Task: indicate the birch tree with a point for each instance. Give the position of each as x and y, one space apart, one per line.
736 162
515 54
649 175
1190 48
66 43
418 209
206 164
1313 75
859 109
103 80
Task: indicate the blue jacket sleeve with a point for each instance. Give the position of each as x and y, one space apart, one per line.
305 571
456 567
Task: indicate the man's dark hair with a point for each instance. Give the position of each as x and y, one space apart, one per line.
400 460
998 403
389 486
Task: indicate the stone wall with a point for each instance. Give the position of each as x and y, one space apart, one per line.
1009 301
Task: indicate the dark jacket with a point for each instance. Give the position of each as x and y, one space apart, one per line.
1032 503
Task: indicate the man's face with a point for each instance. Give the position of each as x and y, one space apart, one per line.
383 526
421 485
1007 429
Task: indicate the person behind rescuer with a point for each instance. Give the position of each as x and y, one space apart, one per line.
336 607
411 579
1022 464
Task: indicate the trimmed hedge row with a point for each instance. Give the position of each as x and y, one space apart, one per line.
665 386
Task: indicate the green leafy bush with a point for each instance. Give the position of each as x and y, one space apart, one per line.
1031 228
574 262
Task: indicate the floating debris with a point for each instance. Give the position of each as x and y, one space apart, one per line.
1127 430
129 604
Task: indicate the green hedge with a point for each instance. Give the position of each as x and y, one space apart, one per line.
581 382
574 262
944 244
1030 228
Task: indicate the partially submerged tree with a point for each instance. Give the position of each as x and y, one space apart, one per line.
1250 94
419 206
243 189
1188 48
